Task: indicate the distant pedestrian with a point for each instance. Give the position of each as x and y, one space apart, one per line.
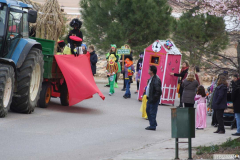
93 59
189 90
212 89
123 61
139 70
153 93
181 75
219 103
128 72
112 69
201 118
195 70
236 101
113 50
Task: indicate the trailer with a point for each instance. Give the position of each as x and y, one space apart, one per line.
57 85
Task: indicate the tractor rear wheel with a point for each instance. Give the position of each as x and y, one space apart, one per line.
64 95
6 88
45 95
29 82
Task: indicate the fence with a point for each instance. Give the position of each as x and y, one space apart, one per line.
171 93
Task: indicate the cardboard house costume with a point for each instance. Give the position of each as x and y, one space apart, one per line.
167 58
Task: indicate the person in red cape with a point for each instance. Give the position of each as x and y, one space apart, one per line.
181 75
76 48
128 71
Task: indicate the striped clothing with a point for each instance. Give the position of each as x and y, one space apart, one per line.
112 68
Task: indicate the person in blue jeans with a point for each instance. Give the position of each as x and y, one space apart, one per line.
153 92
236 101
128 71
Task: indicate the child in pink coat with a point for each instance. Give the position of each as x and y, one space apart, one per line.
200 98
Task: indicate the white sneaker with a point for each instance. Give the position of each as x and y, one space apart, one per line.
110 94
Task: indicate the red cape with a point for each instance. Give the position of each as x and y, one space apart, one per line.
78 75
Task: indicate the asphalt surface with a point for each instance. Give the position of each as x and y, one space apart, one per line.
91 130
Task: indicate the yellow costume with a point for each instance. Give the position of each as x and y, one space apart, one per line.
144 107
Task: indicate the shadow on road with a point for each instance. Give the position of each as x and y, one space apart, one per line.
73 109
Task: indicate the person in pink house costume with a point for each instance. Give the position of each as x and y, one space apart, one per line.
200 98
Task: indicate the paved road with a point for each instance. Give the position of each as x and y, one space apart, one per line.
93 129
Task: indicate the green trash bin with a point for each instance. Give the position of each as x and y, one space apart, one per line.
183 126
183 122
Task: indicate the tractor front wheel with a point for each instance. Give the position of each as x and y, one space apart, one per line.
29 82
6 88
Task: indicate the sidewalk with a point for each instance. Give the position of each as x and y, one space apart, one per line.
165 148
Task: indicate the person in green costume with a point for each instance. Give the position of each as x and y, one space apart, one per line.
113 50
111 69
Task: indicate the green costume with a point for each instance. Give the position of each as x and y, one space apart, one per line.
119 66
111 80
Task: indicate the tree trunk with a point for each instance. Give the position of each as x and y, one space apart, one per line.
238 56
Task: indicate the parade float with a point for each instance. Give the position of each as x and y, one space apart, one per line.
167 58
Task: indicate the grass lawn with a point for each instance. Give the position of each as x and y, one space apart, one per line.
228 147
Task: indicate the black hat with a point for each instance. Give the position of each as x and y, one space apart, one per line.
235 75
61 43
77 22
128 56
141 53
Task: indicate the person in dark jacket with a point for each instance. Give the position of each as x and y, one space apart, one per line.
139 70
182 74
189 90
219 103
153 93
93 59
76 25
236 101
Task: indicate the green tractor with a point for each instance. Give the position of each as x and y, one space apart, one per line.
21 59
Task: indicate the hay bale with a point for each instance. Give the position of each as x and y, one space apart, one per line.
50 21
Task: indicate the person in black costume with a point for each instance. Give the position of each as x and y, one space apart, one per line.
139 70
76 47
184 70
76 25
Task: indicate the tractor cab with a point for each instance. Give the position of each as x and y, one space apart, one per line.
14 25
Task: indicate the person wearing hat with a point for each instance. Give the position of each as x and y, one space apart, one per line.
112 69
113 51
76 25
76 48
60 47
139 70
84 48
128 71
122 61
236 101
181 75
